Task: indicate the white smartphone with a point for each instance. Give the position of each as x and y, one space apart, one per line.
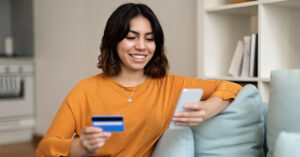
187 96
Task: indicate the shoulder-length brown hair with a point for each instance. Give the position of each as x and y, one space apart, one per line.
117 28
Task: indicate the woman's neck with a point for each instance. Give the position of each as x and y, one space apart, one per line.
130 79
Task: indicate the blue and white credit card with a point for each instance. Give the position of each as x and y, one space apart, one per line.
109 123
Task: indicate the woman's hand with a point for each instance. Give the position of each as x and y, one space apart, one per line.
198 112
90 140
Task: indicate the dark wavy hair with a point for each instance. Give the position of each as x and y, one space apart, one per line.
117 28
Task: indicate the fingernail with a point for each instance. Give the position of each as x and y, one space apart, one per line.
176 114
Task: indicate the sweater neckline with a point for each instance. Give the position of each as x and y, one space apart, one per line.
126 88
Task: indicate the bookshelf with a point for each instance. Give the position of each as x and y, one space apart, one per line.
221 25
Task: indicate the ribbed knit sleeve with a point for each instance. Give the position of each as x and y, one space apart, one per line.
54 147
227 90
58 138
223 89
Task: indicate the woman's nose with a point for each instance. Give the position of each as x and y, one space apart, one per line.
140 45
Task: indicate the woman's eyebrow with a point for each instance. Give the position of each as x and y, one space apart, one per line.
137 33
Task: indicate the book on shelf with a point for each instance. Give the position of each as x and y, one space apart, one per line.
256 57
246 57
235 66
253 55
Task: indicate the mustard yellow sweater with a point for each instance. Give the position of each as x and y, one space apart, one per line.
145 118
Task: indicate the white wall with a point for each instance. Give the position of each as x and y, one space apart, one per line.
67 38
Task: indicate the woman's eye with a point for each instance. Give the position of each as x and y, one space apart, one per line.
149 39
130 38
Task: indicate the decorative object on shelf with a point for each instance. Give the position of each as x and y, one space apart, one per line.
8 46
239 1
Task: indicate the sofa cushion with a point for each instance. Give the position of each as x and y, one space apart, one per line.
284 105
287 145
176 142
235 132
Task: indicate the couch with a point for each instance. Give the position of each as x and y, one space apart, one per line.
247 128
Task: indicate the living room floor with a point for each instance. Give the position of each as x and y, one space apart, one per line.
26 149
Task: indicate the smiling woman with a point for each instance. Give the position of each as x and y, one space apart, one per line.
137 31
134 86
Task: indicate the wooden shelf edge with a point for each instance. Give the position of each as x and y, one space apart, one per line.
229 78
271 1
232 6
284 3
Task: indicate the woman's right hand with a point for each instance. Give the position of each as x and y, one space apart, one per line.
90 140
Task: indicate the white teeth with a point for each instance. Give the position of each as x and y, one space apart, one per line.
138 56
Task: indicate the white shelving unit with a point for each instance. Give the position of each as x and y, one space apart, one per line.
277 23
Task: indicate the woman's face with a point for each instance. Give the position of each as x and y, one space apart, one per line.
138 47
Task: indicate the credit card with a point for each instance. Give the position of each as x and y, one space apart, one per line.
109 123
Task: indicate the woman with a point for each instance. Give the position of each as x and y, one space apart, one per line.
134 83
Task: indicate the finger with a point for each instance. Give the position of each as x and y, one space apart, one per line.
95 147
187 124
194 106
101 135
92 145
90 129
98 145
98 141
188 120
200 113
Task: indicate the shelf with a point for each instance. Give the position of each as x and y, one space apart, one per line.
238 79
285 3
250 8
15 59
265 79
246 8
276 21
279 36
235 79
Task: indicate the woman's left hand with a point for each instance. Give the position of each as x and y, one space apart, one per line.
194 115
198 112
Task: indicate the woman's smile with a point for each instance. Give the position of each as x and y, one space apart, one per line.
138 57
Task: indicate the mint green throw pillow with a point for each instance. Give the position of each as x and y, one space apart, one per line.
287 145
175 142
238 131
284 105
